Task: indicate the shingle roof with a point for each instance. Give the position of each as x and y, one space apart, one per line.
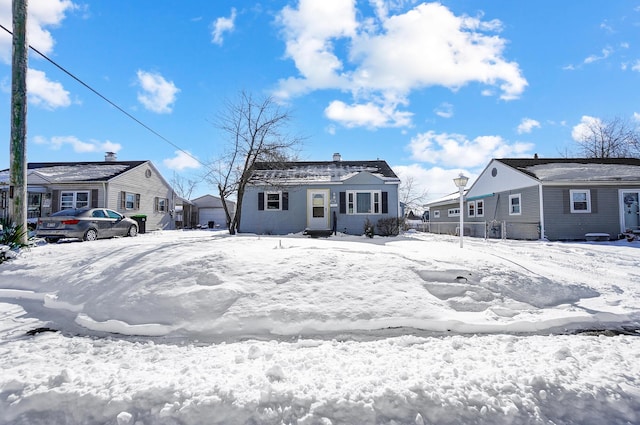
319 171
577 169
60 172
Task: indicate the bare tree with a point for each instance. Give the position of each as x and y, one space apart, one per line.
183 187
256 130
613 138
411 195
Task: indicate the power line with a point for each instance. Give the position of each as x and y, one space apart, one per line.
60 67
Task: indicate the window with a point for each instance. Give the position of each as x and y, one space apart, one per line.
479 208
368 202
161 205
436 214
129 201
453 212
273 201
471 209
580 201
515 204
74 200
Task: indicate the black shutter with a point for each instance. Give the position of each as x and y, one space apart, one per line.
137 201
594 201
385 202
285 200
260 201
94 198
55 201
343 202
123 201
566 202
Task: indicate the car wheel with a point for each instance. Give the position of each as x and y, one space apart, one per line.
52 240
91 235
133 231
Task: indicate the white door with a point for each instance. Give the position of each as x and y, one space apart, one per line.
630 210
318 209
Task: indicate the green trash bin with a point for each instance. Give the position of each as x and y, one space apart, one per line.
141 219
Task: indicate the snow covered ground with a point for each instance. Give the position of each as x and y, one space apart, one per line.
199 327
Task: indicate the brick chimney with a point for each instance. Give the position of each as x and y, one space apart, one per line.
110 157
337 157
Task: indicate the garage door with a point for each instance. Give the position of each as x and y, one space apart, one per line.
213 214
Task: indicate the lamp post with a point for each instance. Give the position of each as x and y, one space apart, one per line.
461 182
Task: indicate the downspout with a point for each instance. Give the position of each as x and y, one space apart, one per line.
542 231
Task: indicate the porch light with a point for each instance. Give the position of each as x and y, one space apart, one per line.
461 182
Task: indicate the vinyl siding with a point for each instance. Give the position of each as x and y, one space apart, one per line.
149 188
561 224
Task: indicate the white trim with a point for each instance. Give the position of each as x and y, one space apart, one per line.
354 202
572 202
542 228
266 200
519 197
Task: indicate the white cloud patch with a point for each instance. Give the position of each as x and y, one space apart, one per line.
455 150
527 125
221 26
380 66
41 16
158 94
436 181
636 116
44 92
181 161
445 110
582 130
78 146
636 66
603 55
366 115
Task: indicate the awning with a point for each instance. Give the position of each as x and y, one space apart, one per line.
473 198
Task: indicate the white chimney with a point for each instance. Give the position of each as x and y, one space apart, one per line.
110 157
337 157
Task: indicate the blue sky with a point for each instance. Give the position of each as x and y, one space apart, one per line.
434 89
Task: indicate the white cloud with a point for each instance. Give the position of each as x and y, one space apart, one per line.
41 15
581 131
223 25
445 110
158 94
381 66
527 125
78 146
636 116
181 160
455 150
436 181
46 93
636 66
366 115
595 58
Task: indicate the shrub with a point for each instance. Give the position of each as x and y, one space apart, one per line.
368 228
389 226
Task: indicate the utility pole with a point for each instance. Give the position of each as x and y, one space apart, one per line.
18 155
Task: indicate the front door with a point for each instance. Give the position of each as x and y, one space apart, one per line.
630 210
318 209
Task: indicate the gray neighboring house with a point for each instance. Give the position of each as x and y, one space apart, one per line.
129 187
321 196
210 211
554 199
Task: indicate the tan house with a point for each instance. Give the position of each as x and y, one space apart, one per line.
129 187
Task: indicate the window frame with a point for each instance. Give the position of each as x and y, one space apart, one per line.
471 209
453 212
517 196
436 214
74 203
375 202
480 208
587 201
267 201
129 204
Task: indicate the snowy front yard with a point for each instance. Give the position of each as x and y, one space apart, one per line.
201 327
